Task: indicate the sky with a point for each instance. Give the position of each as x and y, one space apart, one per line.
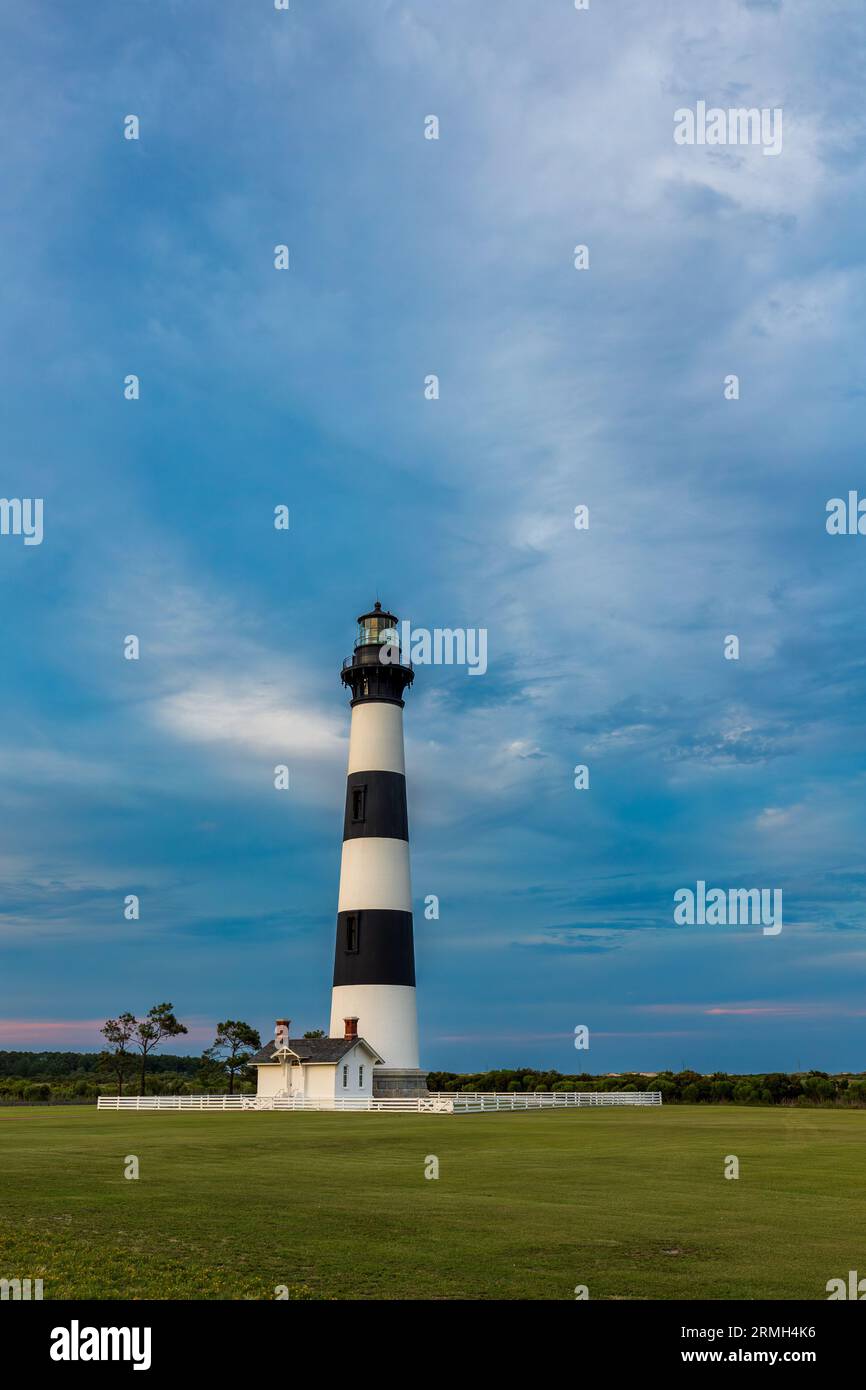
558 388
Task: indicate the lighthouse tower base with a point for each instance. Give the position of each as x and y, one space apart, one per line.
392 1083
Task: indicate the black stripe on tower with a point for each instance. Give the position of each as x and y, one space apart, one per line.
374 947
376 806
369 679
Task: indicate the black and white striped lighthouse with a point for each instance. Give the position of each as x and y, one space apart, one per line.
374 963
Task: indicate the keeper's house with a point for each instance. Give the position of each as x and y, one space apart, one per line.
316 1068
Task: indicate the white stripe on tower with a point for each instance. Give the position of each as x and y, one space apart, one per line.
374 962
376 739
374 873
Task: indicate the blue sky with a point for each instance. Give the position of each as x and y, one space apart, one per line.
558 388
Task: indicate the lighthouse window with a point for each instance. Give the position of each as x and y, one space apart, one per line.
345 1076
360 1076
359 803
352 934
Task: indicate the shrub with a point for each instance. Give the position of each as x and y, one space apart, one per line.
39 1091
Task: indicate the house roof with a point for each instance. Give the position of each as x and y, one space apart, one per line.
315 1050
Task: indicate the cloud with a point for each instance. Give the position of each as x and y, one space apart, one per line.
245 717
758 1009
62 1034
50 1032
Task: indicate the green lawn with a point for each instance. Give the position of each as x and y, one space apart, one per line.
632 1203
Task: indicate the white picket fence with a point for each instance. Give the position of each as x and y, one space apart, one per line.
436 1103
423 1104
476 1101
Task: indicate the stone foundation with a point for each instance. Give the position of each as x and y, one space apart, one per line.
389 1083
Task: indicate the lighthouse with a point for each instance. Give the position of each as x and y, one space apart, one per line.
374 960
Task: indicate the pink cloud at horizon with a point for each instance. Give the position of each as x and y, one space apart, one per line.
755 1009
49 1034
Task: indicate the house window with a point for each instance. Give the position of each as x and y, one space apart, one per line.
352 935
360 1076
359 804
345 1076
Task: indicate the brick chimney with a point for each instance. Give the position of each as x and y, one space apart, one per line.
351 1028
282 1030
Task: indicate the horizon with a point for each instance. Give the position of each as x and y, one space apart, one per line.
626 1071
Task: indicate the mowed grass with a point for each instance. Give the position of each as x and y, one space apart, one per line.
632 1203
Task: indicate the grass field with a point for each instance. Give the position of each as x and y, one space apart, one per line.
527 1206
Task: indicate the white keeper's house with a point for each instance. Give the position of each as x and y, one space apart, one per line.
316 1068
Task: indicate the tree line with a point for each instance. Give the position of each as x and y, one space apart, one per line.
677 1088
130 1064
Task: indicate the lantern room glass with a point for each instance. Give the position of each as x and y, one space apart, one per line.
376 629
